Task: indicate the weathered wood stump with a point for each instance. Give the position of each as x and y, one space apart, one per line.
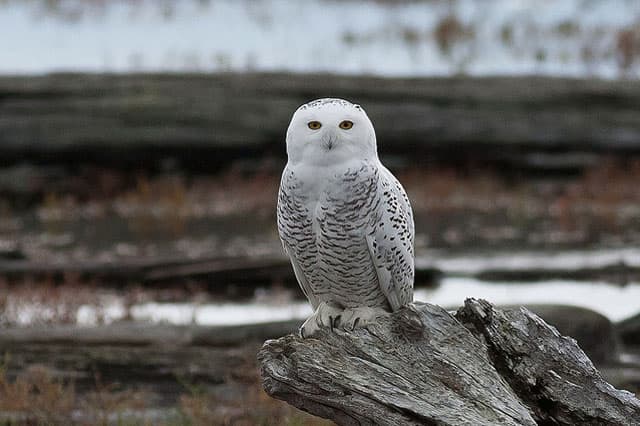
424 365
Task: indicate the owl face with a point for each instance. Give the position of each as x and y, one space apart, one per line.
330 131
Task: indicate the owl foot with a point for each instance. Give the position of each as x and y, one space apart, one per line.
362 316
325 316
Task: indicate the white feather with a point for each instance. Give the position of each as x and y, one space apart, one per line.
344 219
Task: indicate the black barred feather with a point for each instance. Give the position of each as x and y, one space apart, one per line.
356 247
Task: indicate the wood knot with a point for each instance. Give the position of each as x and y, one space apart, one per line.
407 323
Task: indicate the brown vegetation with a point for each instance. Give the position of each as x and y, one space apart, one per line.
168 200
164 214
37 397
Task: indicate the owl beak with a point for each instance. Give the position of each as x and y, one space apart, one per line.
329 139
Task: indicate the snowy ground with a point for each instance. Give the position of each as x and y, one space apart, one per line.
34 303
565 260
415 38
615 302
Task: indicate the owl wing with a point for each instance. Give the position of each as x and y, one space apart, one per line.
390 238
294 228
302 280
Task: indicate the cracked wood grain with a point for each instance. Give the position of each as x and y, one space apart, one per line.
424 365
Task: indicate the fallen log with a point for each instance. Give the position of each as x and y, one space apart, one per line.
424 365
208 120
161 359
630 331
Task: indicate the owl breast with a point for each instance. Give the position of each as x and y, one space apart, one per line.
324 220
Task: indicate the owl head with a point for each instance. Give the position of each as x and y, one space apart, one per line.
330 131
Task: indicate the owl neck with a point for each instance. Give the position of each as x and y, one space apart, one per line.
317 155
333 161
320 171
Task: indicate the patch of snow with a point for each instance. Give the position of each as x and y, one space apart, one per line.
107 313
231 314
614 302
565 260
567 38
190 313
173 313
630 358
28 314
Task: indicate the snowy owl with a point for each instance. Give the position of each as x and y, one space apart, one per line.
344 220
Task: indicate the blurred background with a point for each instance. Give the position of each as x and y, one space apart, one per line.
141 146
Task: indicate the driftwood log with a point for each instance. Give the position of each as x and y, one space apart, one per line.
424 365
162 359
207 120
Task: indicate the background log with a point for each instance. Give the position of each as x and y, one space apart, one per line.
423 365
207 120
164 360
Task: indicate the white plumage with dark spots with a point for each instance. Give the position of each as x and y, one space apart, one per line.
344 220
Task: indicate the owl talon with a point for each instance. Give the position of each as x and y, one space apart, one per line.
336 322
360 317
326 316
355 323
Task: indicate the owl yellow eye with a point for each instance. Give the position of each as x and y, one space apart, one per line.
314 125
346 124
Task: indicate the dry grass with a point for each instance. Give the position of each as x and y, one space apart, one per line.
609 188
35 301
628 47
254 407
39 301
164 214
450 31
36 397
162 202
168 201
